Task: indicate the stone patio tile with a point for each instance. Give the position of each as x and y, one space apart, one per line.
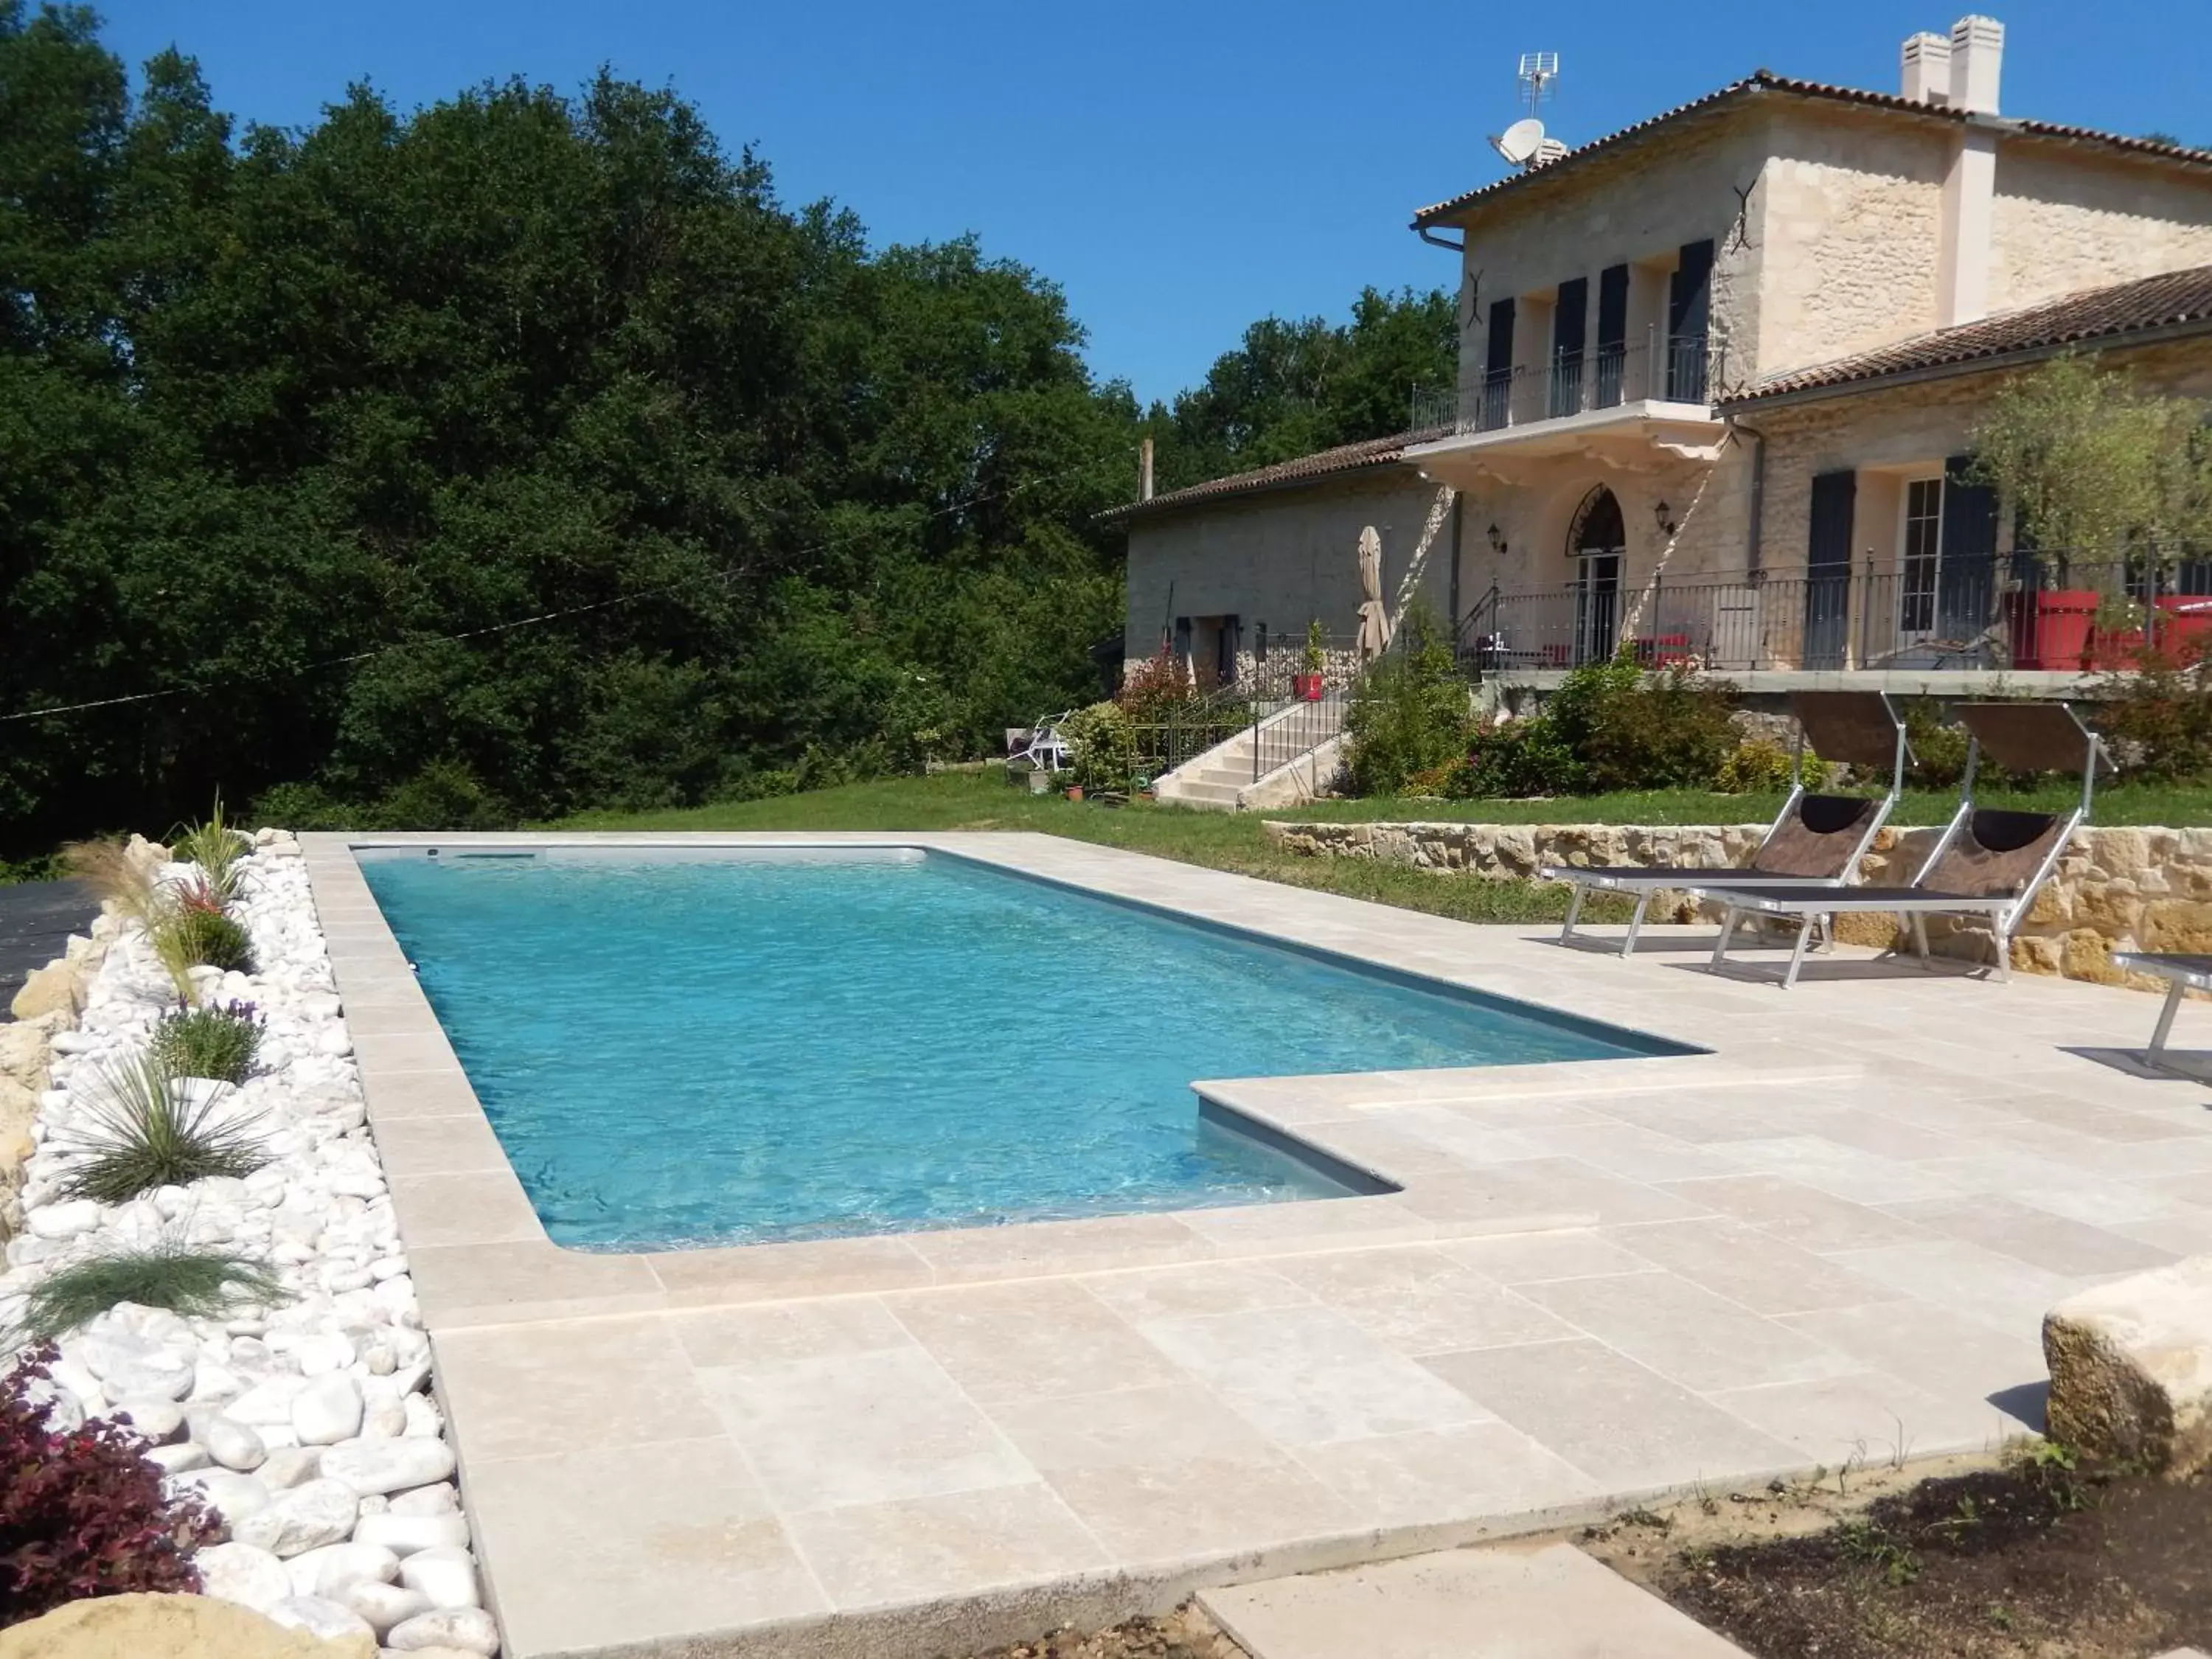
1504 1602
455 1144
478 1207
1685 1331
1626 1427
2036 1236
1700 1117
2181 1234
974 1254
632 1545
2000 1292
419 1094
2077 1190
1532 1258
1446 1474
1932 1348
1303 1375
1797 1214
868 1555
1168 1474
1737 1260
1203 1287
1629 1151
2100 1122
1317 1224
419 1051
2194 1189
526 1278
520 1390
1842 1171
1885 1135
1868 1418
1382 1147
860 1428
1042 1336
778 1333
1560 1192
1419 1300
768 1272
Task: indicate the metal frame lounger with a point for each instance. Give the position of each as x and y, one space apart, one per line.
1815 840
1988 862
2183 974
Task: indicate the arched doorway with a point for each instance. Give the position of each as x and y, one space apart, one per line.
1597 541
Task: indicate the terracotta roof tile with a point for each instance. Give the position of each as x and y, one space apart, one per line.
1762 81
1344 458
2178 300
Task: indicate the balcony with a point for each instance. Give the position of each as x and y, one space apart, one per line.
1617 401
1929 624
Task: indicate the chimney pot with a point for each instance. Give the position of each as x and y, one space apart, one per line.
1927 69
1977 59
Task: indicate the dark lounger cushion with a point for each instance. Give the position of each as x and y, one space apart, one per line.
1817 839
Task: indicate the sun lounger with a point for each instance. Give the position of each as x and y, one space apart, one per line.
1988 862
2183 974
1815 840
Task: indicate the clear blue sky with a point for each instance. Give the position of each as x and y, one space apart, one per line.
1180 169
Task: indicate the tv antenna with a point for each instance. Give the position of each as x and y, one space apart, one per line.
1525 143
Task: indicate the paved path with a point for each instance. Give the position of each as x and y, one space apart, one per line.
35 918
1510 1601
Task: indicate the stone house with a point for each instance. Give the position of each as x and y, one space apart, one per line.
1717 374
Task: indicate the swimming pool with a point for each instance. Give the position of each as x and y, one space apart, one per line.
730 1046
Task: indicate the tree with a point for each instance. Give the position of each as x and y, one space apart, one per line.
1291 388
2094 464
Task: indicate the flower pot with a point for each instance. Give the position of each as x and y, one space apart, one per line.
1306 687
1075 792
2054 629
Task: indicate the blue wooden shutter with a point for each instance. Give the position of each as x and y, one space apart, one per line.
1827 576
1966 576
1689 314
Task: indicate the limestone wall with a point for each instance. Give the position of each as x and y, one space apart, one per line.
2115 890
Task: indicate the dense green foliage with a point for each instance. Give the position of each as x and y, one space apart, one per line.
1294 386
1609 727
273 404
217 1043
1409 713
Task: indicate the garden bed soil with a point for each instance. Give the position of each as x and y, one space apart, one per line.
1186 1633
2033 1557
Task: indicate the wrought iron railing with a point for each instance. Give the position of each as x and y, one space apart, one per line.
1683 368
2008 612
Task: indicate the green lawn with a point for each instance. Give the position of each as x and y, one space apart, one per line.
1235 841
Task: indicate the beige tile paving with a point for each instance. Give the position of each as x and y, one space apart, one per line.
1600 1279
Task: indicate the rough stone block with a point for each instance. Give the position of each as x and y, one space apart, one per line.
52 989
2132 1368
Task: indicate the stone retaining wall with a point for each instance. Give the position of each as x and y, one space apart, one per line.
2115 890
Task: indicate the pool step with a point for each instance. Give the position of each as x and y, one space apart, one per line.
1501 1602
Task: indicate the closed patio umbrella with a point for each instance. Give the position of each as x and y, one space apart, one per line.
1374 620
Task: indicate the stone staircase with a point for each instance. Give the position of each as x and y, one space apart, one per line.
1222 779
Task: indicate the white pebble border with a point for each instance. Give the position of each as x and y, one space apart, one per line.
307 1426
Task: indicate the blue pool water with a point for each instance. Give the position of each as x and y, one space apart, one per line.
681 1049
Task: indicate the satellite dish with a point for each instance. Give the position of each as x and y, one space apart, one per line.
1520 142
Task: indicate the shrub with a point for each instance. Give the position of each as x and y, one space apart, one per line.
1939 749
2158 719
146 1132
215 848
1102 746
1156 689
1758 767
1669 731
195 1284
82 1513
190 936
216 1042
1409 712
1513 759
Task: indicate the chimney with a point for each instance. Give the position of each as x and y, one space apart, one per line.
1977 56
1927 69
1145 471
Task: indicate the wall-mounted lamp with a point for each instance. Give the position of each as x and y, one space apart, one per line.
1496 542
1665 515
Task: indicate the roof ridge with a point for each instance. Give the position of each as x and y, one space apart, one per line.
1337 458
